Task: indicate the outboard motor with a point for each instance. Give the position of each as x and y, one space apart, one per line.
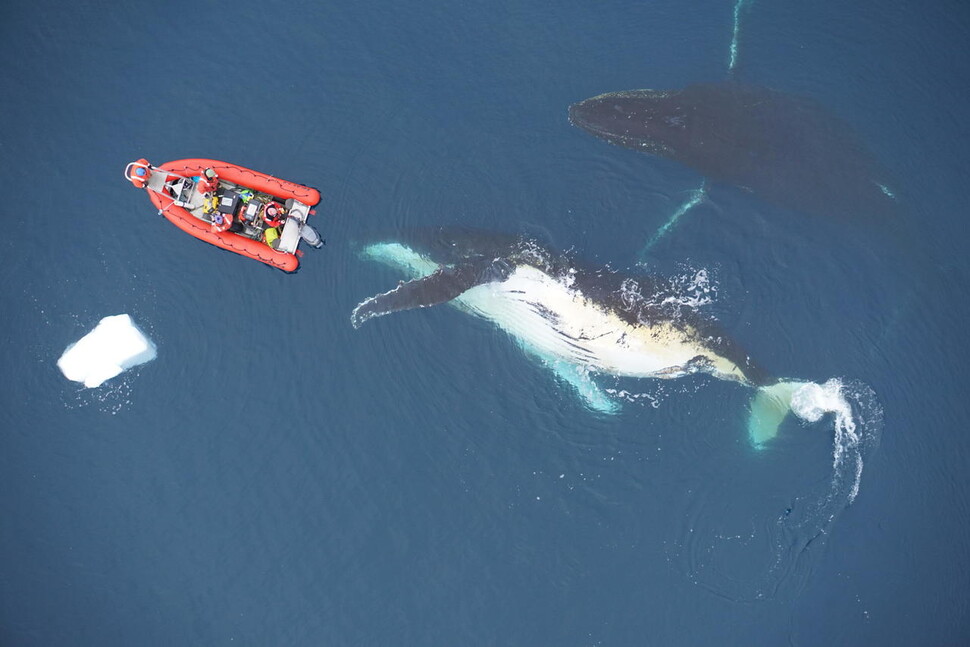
310 235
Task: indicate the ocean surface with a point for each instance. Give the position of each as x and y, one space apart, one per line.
276 477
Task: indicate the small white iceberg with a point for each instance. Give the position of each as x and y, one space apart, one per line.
115 344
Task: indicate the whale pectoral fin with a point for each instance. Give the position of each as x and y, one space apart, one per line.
441 286
593 396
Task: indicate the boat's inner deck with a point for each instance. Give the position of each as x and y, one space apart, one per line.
243 204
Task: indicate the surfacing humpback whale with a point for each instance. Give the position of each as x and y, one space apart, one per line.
577 320
786 149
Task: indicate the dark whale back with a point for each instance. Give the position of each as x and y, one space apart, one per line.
786 149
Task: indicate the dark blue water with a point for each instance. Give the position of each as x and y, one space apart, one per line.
275 477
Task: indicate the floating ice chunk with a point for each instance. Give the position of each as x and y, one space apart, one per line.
115 344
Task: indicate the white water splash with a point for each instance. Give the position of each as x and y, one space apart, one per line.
810 402
772 553
630 294
695 289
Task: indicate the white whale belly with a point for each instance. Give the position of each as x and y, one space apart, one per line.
545 314
549 318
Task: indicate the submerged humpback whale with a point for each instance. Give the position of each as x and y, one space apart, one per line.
576 320
788 150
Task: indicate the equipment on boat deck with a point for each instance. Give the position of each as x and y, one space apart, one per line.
233 207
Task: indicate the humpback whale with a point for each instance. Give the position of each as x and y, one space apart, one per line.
577 320
788 150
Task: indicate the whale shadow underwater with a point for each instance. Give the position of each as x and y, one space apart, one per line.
788 150
581 321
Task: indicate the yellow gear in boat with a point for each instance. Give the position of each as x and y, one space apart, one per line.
211 204
272 237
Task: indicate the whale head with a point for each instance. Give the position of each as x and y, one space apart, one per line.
644 120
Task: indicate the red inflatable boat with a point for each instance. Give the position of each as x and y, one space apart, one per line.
236 208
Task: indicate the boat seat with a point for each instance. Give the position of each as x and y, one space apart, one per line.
179 189
183 191
156 182
296 216
175 188
191 197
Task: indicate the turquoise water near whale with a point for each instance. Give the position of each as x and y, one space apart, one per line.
276 477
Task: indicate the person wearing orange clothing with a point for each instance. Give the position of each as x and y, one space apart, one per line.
208 182
221 222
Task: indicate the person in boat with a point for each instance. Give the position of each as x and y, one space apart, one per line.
221 222
273 217
141 176
271 236
273 214
209 181
249 209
